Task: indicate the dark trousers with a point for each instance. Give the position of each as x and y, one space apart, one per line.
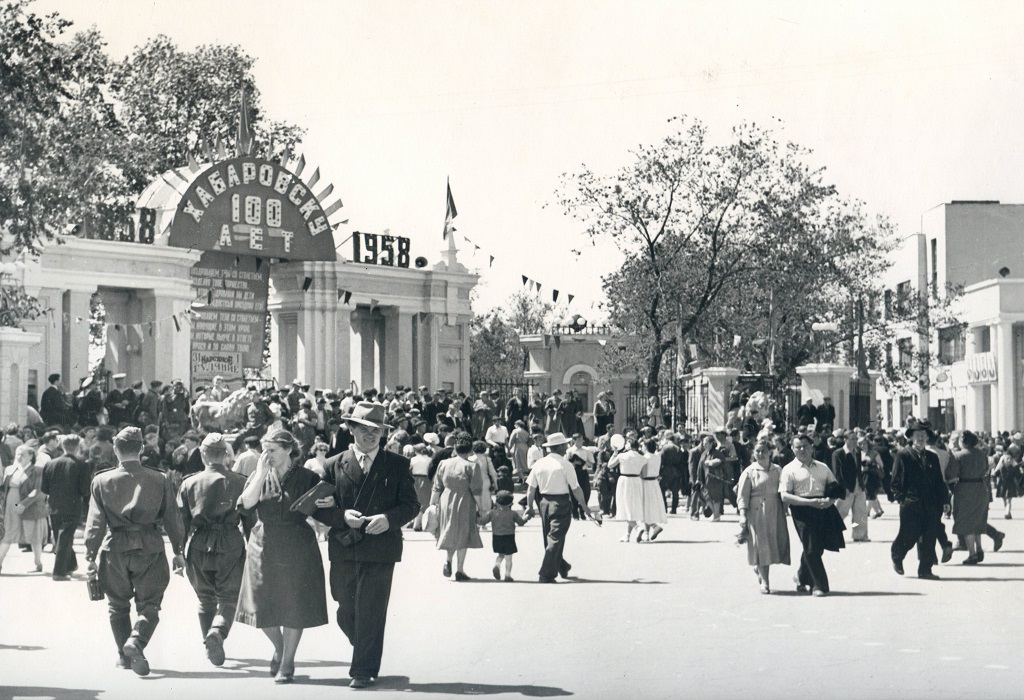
812 568
140 575
606 496
64 527
362 591
555 518
919 525
216 578
579 510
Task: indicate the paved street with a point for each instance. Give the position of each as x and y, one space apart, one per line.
681 617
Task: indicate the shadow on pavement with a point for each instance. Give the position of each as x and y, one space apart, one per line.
531 691
657 542
983 578
19 647
11 692
847 594
576 579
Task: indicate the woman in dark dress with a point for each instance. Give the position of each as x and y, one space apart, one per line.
283 581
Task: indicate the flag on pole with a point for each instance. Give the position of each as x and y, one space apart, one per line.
449 213
243 139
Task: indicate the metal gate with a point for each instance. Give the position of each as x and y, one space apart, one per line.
505 389
670 400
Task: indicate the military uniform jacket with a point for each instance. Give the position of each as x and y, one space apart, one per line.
129 504
387 489
209 513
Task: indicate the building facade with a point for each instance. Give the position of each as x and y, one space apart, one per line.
977 371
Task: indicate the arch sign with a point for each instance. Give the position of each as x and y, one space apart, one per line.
252 206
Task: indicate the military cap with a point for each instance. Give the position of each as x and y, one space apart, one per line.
129 436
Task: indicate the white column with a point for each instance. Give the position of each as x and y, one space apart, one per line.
15 347
1003 408
342 348
75 337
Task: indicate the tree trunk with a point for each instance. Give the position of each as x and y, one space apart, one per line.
654 369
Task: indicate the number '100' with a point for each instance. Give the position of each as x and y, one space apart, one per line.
380 250
255 210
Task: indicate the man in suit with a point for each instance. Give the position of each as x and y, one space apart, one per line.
846 466
918 486
826 414
374 497
66 482
53 406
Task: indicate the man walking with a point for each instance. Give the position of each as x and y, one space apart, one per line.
66 482
918 486
846 466
374 496
53 408
214 547
551 480
129 505
802 486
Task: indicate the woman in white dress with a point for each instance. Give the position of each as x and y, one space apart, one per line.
629 490
654 497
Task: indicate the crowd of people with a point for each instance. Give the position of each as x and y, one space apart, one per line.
243 511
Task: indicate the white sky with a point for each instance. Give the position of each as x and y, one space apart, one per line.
908 104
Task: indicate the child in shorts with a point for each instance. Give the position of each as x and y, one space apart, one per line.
503 522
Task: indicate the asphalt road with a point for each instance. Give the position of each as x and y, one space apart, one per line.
680 617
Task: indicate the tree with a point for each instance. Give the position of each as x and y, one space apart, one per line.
172 102
527 313
686 216
739 250
495 354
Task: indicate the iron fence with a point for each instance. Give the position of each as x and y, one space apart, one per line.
668 410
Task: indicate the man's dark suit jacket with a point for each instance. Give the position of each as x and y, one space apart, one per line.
389 489
846 467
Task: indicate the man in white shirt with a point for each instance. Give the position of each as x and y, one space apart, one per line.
535 452
551 480
245 463
497 433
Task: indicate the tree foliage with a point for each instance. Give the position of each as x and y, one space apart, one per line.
495 354
527 313
737 249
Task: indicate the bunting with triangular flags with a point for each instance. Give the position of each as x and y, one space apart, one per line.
570 298
525 280
348 297
554 295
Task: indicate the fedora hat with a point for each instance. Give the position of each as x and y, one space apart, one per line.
368 413
919 425
555 439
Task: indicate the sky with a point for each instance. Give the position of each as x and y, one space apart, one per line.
906 104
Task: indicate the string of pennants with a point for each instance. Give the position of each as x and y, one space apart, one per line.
449 229
150 328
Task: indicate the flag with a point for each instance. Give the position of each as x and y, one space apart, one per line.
373 304
570 298
449 213
243 139
554 295
525 280
307 283
341 293
538 287
348 296
491 263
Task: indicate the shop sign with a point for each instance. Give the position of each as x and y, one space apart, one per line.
981 367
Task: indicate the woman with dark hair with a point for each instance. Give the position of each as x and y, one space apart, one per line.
518 446
629 490
968 474
283 582
456 485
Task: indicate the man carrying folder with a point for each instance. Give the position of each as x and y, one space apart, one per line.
374 497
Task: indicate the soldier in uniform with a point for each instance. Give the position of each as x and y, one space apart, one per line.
129 505
90 403
214 547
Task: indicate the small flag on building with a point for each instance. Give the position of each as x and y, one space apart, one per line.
348 296
449 213
307 283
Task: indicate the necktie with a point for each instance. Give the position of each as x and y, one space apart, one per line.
364 463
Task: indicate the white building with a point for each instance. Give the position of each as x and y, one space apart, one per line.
977 376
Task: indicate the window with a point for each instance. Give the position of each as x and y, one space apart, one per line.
903 296
905 347
952 345
935 265
983 339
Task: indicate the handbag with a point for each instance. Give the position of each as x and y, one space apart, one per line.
430 520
